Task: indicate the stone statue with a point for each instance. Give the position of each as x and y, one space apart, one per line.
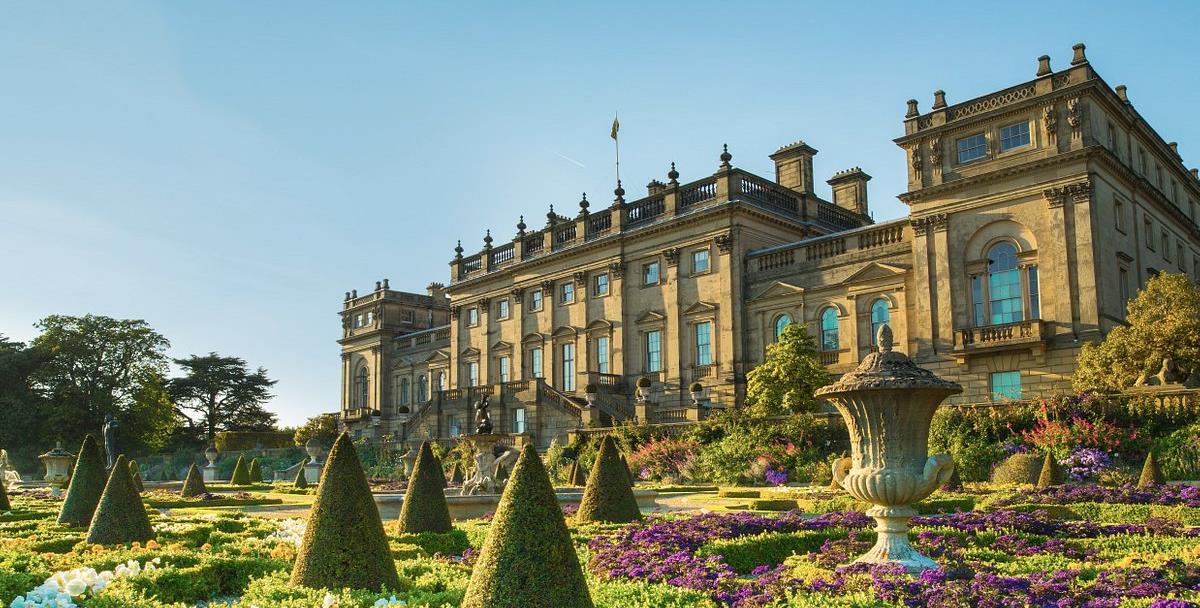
1168 373
488 461
483 421
110 439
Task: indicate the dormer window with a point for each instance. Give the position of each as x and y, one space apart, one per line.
972 148
1014 136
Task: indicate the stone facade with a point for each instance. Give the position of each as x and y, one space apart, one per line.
1035 212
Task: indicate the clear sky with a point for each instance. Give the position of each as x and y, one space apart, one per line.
226 170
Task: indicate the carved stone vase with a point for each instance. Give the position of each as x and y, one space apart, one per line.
888 403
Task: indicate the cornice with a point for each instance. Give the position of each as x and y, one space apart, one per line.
909 198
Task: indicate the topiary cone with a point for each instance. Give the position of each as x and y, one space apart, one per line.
87 484
301 477
608 496
528 559
255 471
578 475
5 505
241 473
194 484
1050 475
424 508
136 473
628 471
120 516
442 472
344 544
1151 474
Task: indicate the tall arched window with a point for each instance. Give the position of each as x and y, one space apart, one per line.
422 389
781 323
362 384
829 329
1004 284
403 391
880 315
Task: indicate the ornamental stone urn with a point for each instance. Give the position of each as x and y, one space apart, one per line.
58 468
210 471
314 466
888 403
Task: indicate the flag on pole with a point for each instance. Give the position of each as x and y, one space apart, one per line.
616 127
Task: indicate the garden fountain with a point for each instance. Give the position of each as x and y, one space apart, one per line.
490 454
888 403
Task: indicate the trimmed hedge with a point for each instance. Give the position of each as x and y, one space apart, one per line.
1115 513
87 484
135 472
255 471
1151 474
5 505
738 493
746 553
215 502
1018 469
344 544
424 508
608 496
1051 474
241 473
773 504
120 516
578 475
194 484
528 559
301 481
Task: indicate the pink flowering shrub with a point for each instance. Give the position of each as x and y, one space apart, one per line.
665 459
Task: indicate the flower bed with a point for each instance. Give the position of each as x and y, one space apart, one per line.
170 500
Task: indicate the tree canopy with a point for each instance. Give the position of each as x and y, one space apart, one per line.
785 382
323 427
218 393
1163 321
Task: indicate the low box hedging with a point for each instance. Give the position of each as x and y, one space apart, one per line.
449 543
1116 513
746 553
773 504
683 489
738 493
182 503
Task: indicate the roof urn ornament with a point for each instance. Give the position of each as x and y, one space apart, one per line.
583 205
487 239
888 403
725 156
673 175
458 250
521 226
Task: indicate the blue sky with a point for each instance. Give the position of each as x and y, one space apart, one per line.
226 170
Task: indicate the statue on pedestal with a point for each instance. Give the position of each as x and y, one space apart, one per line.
110 439
483 420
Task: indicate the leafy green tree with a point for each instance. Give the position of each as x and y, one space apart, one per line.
217 393
23 407
98 366
785 382
323 427
1164 321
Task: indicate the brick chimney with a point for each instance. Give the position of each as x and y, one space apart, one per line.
850 190
794 166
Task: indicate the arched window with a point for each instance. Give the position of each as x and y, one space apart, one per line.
439 381
1004 284
362 384
403 391
781 323
422 389
829 329
880 315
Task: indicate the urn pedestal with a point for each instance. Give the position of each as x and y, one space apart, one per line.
58 468
314 466
210 472
888 403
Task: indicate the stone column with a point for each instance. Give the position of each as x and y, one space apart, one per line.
944 316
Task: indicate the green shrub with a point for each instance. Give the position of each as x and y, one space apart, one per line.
301 476
449 543
608 496
255 471
738 493
746 553
136 473
5 505
1023 468
241 473
1151 474
424 508
1051 474
773 504
1179 453
578 475
972 437
120 516
87 484
344 544
232 441
194 484
528 559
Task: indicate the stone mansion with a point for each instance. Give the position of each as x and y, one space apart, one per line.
1035 212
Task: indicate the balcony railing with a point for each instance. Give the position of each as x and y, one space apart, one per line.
358 413
1020 333
829 357
701 372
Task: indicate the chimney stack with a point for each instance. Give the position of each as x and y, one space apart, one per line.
794 167
850 190
1044 65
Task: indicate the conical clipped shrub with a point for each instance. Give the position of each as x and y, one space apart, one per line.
87 484
255 471
301 477
456 474
441 468
4 504
1151 474
344 544
578 475
241 473
608 496
194 484
135 472
628 471
528 560
120 517
1051 475
424 508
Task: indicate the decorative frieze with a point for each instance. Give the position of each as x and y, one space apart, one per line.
617 269
724 242
915 159
1079 192
1075 116
672 256
581 278
1050 122
518 294
936 221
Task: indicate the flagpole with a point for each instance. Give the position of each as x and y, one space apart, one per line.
617 146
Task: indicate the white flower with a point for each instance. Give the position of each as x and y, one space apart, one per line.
329 601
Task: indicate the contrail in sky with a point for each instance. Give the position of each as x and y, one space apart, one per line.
573 161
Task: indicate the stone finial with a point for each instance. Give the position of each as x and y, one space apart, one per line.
347 296
385 284
912 109
673 175
458 250
939 99
1044 65
550 215
725 156
521 225
487 239
619 194
1174 147
378 285
583 203
884 338
1123 93
353 294
1079 56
